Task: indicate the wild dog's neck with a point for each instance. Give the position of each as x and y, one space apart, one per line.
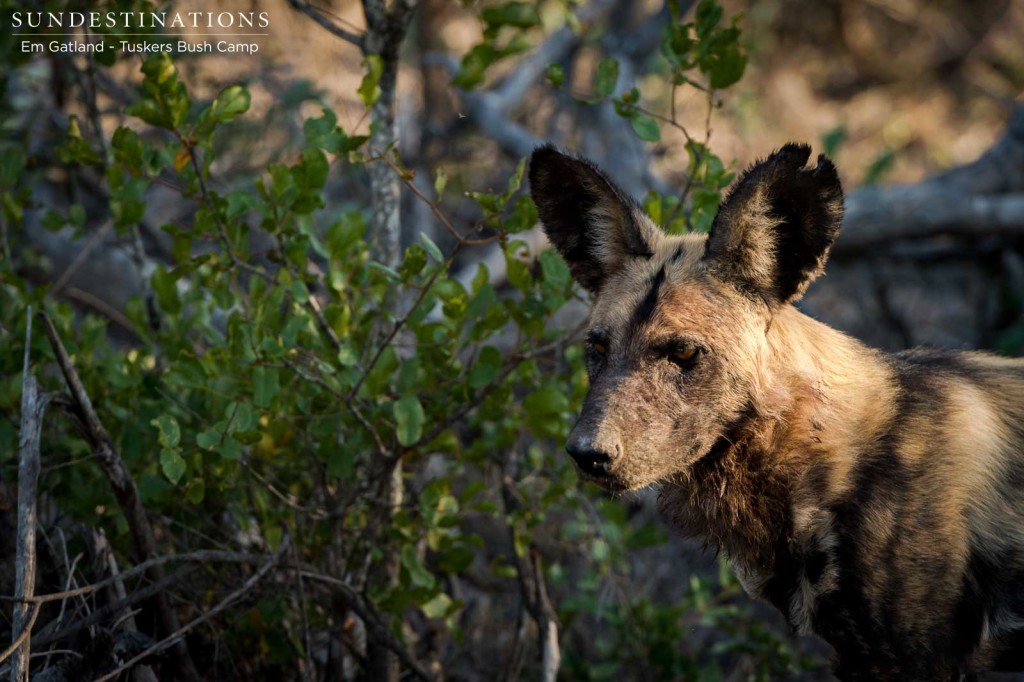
825 386
816 391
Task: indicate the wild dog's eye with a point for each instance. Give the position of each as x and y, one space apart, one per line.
597 344
684 356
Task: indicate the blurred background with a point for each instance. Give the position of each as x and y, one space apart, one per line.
158 248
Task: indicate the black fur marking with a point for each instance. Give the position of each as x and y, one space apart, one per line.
816 480
785 580
645 310
844 616
814 566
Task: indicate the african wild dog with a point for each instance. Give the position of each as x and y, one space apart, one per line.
876 500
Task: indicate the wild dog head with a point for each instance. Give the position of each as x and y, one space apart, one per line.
677 348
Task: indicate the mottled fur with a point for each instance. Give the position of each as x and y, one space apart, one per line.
877 500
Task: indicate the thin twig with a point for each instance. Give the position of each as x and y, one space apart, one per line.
102 307
20 639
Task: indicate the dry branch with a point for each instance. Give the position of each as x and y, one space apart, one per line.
33 406
125 492
985 197
177 636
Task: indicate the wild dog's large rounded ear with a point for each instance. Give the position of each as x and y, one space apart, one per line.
591 222
773 231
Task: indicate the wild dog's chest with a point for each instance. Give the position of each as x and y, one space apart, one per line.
782 552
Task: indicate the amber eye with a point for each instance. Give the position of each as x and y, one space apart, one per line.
684 355
598 347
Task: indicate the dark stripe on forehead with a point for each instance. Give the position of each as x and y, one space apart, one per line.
645 310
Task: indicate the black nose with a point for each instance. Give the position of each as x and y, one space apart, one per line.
591 461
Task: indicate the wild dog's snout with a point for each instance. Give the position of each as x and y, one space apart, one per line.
592 459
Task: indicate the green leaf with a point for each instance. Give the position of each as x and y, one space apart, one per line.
438 606
208 439
391 273
323 132
704 207
150 112
369 89
726 66
606 77
240 202
311 172
76 214
172 464
556 75
440 182
196 491
128 149
431 248
347 356
486 369
419 575
344 234
546 401
517 14
170 432
165 285
265 385
706 17
645 127
413 263
409 420
230 449
229 103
